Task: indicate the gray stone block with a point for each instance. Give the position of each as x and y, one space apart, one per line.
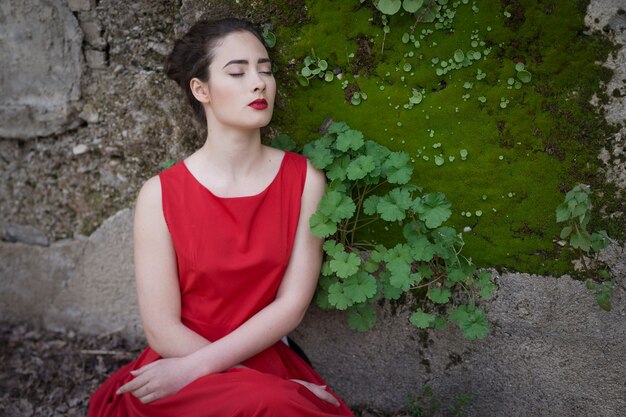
101 297
96 59
24 234
41 68
81 5
92 30
32 276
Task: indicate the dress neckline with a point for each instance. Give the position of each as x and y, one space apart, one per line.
260 193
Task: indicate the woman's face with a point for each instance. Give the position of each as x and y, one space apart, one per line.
241 84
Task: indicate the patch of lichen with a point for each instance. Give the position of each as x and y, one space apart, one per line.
522 158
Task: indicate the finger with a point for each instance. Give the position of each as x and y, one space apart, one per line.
319 391
322 394
132 385
142 391
137 372
149 398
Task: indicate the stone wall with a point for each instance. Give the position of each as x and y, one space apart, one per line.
86 116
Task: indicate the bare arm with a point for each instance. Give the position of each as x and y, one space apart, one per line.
156 275
281 316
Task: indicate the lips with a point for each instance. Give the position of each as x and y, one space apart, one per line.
259 104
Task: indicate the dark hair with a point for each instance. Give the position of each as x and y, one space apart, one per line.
193 53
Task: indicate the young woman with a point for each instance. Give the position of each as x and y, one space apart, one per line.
225 262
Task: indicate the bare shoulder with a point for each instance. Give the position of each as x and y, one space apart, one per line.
273 153
150 190
149 199
315 183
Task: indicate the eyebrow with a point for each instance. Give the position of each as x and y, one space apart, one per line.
245 61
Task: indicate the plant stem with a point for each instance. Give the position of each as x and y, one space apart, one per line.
376 186
382 49
580 252
371 220
358 212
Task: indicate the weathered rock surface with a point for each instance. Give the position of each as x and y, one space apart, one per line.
41 72
32 276
85 284
25 234
609 16
551 351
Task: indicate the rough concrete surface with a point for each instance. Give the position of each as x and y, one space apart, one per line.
551 351
100 296
40 79
84 284
33 275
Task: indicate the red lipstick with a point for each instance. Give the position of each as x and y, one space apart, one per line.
259 104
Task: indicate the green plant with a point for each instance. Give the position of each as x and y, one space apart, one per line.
575 212
168 163
428 9
268 36
369 183
428 405
314 67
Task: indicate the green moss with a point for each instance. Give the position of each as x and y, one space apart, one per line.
521 157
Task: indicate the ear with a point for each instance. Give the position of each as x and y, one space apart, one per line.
200 90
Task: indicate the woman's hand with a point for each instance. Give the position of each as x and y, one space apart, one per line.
319 391
159 379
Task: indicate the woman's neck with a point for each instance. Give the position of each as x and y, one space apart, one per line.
235 153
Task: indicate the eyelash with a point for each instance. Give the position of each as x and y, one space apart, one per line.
236 75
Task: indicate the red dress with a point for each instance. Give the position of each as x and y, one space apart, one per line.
232 254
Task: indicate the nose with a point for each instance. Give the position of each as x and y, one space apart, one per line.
258 83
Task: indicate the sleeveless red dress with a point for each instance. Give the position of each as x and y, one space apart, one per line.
232 254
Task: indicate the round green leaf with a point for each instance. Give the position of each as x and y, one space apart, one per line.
303 81
361 317
459 56
345 264
389 7
411 6
398 168
338 298
269 38
438 295
321 225
360 287
360 167
416 98
421 320
349 139
524 76
284 142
